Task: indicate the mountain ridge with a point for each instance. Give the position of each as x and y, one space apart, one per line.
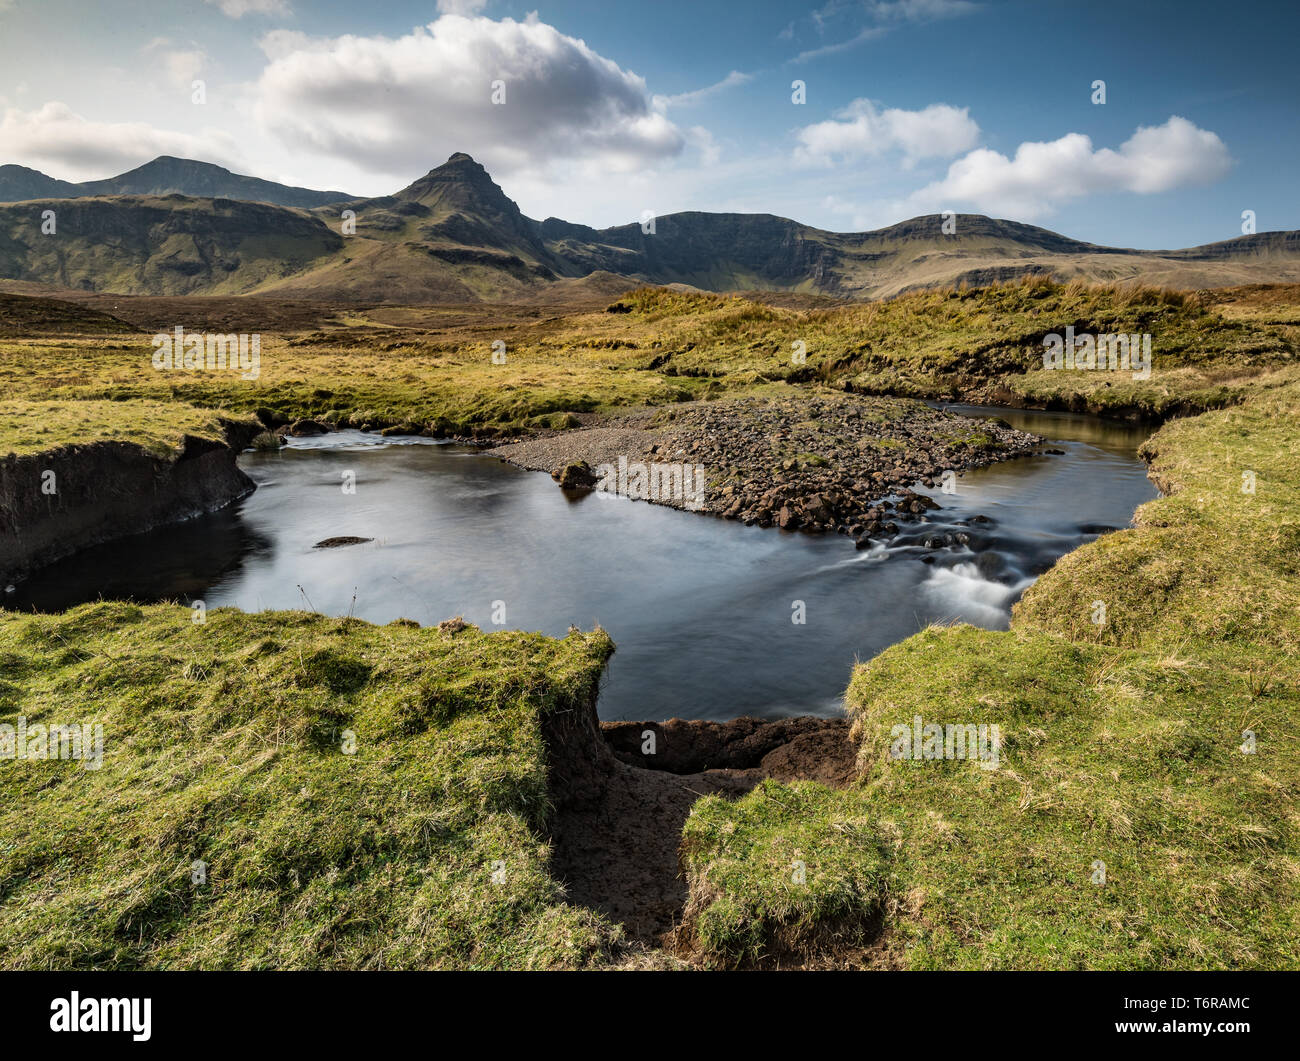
454 235
164 175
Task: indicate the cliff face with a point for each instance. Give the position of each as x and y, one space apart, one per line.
110 490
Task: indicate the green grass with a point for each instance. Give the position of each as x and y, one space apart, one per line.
674 347
224 743
1121 745
803 872
957 343
159 427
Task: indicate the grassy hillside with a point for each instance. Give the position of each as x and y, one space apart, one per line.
51 316
224 743
1121 745
160 245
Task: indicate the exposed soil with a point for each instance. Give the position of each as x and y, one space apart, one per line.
109 490
825 462
784 749
620 811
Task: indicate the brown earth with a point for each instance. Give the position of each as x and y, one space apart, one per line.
619 813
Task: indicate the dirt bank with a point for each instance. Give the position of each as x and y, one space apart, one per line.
54 503
822 462
619 809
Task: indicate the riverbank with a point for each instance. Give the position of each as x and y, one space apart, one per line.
1141 815
285 790
78 474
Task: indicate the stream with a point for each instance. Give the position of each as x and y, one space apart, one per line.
701 608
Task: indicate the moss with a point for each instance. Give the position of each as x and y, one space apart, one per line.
160 427
271 748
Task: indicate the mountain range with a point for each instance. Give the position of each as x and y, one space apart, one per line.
177 226
163 176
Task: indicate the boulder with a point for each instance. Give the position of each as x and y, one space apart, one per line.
575 476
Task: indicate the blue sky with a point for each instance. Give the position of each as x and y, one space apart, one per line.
614 108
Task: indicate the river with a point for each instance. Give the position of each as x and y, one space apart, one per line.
702 609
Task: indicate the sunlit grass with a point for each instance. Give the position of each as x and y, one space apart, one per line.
226 744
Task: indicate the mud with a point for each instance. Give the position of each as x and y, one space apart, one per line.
619 810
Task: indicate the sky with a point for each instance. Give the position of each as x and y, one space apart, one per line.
1147 124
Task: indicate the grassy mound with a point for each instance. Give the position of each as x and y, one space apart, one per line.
1142 812
360 796
159 427
26 315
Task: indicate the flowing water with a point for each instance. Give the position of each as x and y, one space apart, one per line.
701 609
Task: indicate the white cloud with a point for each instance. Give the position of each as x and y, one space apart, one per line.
1156 158
461 7
881 16
66 145
702 140
240 8
405 104
182 65
278 43
920 10
861 130
685 99
870 33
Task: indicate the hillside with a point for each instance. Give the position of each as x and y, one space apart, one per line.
159 244
454 236
18 183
